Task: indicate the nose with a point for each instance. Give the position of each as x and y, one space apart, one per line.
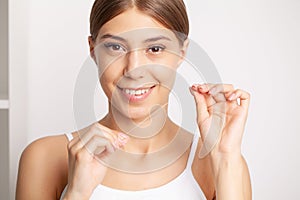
134 64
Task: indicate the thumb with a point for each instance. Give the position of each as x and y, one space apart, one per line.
201 105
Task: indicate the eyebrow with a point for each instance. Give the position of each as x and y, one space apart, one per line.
161 37
154 39
112 37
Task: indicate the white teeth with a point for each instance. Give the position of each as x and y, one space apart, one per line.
138 92
135 92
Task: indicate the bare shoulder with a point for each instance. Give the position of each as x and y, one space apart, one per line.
43 168
202 171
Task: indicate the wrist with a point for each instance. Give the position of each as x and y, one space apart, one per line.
223 163
228 174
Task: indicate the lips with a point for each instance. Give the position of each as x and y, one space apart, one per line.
136 94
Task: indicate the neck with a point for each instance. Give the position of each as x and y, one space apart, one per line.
159 139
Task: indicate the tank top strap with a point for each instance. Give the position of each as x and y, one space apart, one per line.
193 149
69 136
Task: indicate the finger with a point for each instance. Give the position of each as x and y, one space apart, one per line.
86 137
106 132
209 99
113 134
97 145
220 88
242 95
95 129
73 141
75 145
212 136
219 97
214 88
201 105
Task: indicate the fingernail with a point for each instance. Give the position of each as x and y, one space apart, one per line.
116 144
123 138
191 90
203 88
231 97
194 87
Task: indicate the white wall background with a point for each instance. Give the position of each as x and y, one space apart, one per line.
254 44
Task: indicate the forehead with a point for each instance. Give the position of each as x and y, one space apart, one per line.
135 24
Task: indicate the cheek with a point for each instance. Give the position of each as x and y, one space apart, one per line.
109 77
166 69
105 63
105 87
165 76
110 68
168 59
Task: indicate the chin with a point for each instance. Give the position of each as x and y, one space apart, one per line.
138 114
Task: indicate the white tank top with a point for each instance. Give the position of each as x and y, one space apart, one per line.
183 186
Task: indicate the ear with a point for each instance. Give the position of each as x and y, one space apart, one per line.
92 48
183 51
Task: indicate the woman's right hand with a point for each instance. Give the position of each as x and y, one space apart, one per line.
85 172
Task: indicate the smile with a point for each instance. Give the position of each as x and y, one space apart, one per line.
136 92
135 95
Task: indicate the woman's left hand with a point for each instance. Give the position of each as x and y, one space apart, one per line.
221 116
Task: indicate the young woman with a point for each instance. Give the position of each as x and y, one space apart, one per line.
137 46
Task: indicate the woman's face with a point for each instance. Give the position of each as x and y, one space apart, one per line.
137 58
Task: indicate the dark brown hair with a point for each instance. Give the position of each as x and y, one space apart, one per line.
170 13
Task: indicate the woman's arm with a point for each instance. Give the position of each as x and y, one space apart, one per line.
43 169
232 180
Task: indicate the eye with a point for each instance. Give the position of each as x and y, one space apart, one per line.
156 49
115 47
